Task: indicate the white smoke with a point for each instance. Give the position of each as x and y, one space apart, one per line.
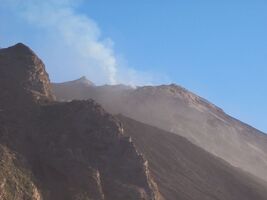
59 20
78 31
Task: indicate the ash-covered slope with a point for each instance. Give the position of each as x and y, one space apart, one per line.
51 150
174 109
184 171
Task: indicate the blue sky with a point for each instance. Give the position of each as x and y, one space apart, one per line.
217 49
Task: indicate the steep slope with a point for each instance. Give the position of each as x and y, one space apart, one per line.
82 147
174 109
51 150
185 171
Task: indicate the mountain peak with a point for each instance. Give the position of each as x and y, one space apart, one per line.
19 48
85 81
20 45
22 73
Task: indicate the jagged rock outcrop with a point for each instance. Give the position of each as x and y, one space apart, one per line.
80 134
175 109
51 150
22 75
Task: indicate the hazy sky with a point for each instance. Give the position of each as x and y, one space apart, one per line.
217 49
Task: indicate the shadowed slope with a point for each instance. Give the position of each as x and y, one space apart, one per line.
61 151
185 171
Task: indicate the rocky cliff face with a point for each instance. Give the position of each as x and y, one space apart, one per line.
174 109
83 146
16 181
51 150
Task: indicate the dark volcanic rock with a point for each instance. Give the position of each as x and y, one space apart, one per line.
22 73
51 150
85 145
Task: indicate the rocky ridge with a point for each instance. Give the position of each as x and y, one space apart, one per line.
177 110
72 150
